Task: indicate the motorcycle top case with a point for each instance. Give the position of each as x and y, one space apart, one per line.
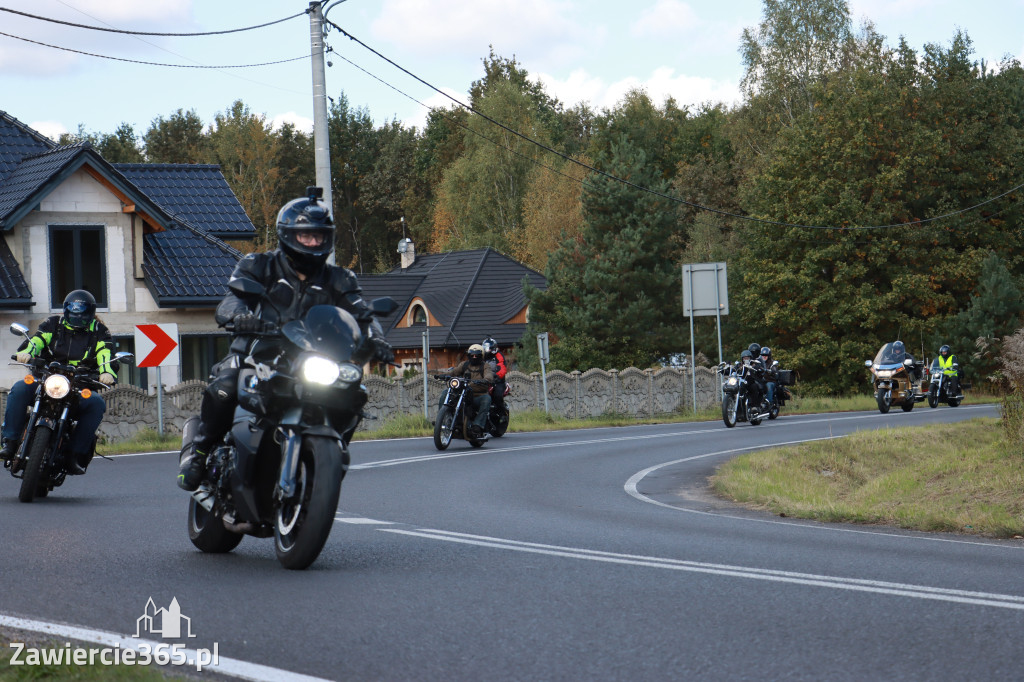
787 377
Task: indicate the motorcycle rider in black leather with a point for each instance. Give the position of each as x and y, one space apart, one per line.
296 277
756 383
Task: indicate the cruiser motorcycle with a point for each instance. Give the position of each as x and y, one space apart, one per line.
455 414
279 470
893 377
737 396
939 390
46 445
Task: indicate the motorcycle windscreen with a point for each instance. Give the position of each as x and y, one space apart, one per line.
326 330
889 356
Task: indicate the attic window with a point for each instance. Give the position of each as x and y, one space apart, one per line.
77 261
418 315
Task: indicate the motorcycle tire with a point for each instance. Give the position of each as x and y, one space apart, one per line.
36 460
499 428
207 532
302 523
933 398
883 402
774 412
443 428
729 407
907 406
954 402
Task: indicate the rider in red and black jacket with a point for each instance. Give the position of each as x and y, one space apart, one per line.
493 355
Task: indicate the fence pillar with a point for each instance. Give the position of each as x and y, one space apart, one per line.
650 392
537 401
576 394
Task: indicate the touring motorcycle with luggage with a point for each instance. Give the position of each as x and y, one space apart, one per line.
739 402
455 414
46 445
894 378
278 472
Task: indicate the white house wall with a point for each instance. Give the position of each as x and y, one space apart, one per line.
82 200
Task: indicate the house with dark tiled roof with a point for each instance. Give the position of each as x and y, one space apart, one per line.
149 241
458 298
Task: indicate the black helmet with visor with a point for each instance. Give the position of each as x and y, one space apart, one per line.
79 309
305 231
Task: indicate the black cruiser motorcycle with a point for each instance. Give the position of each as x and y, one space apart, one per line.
455 414
939 391
278 471
737 396
46 445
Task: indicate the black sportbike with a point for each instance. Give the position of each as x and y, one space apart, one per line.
45 448
455 415
278 471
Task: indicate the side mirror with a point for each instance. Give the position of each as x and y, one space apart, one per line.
908 363
19 329
246 287
775 363
868 363
123 356
383 306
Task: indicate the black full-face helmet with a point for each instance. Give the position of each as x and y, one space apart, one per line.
944 351
898 347
305 231
79 309
755 349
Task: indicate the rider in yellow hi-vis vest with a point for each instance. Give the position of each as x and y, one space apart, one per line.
950 367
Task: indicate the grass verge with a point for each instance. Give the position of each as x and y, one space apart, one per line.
960 477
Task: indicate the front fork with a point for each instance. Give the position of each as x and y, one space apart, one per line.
290 447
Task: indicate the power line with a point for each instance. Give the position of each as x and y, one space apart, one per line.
137 61
674 199
147 33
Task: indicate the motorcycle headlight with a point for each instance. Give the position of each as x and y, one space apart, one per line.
57 386
320 370
733 381
885 373
936 375
454 383
349 373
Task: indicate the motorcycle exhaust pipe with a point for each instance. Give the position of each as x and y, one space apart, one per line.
239 527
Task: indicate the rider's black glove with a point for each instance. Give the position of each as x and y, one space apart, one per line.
382 350
247 323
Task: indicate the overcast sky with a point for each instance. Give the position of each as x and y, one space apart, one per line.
583 50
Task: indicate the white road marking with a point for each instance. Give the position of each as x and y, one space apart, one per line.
361 521
226 666
1004 601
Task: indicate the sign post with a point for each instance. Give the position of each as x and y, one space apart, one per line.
705 292
157 345
545 357
426 363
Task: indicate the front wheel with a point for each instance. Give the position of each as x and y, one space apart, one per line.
729 410
304 520
883 399
207 532
443 428
933 397
33 475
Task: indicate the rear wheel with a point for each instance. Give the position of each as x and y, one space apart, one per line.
207 532
304 521
883 399
953 402
908 406
443 428
501 426
729 410
33 475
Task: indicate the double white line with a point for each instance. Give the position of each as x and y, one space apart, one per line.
1004 601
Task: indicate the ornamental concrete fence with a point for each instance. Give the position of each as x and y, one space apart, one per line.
639 393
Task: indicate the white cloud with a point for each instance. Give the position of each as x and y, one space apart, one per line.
302 123
666 19
660 85
52 129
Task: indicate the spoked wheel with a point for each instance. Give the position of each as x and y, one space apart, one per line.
773 413
729 410
304 520
33 476
933 397
499 429
884 400
207 532
443 428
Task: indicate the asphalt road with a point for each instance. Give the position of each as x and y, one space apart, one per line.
573 555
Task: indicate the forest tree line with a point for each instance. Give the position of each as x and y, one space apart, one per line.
859 193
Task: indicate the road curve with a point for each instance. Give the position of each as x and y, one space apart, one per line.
592 554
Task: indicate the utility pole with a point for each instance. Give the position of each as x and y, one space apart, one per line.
321 143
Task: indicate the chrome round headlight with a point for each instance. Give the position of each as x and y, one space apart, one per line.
57 386
733 381
319 370
454 383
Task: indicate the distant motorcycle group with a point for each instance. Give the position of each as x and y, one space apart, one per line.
898 379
